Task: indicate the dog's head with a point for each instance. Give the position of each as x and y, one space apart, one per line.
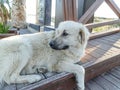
69 34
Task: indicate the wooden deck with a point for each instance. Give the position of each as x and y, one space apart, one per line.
102 54
107 81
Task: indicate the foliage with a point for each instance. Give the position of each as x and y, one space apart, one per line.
4 28
4 13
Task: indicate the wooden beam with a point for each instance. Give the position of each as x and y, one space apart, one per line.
114 7
47 18
102 34
87 5
74 10
89 13
59 13
45 12
80 8
97 68
94 25
70 10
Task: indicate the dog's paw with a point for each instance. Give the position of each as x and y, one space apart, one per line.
34 78
42 70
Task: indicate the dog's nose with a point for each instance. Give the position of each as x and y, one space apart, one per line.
52 43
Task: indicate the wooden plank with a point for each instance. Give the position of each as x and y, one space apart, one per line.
118 68
115 73
87 4
59 12
114 44
112 40
107 76
104 46
60 81
106 85
115 81
115 37
80 7
107 58
93 85
89 13
99 24
97 48
101 34
10 33
70 10
47 17
87 58
114 7
96 52
101 66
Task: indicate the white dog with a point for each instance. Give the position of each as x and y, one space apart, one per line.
57 50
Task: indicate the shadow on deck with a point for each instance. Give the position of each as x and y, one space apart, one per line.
102 54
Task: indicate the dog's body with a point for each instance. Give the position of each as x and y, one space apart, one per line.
56 50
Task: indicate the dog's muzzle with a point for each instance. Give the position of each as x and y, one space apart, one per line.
55 46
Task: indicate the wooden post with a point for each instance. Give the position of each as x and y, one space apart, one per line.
70 10
47 17
65 10
80 8
87 4
90 12
45 12
59 13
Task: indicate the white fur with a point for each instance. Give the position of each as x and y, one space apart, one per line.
23 54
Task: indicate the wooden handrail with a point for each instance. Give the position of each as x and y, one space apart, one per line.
102 34
94 25
89 13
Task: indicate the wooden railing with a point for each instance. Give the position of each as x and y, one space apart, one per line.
69 10
99 24
90 12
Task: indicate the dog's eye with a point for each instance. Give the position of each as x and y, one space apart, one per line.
64 33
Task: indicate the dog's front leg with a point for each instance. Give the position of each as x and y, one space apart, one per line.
76 69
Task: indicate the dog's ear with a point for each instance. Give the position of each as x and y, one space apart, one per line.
81 36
